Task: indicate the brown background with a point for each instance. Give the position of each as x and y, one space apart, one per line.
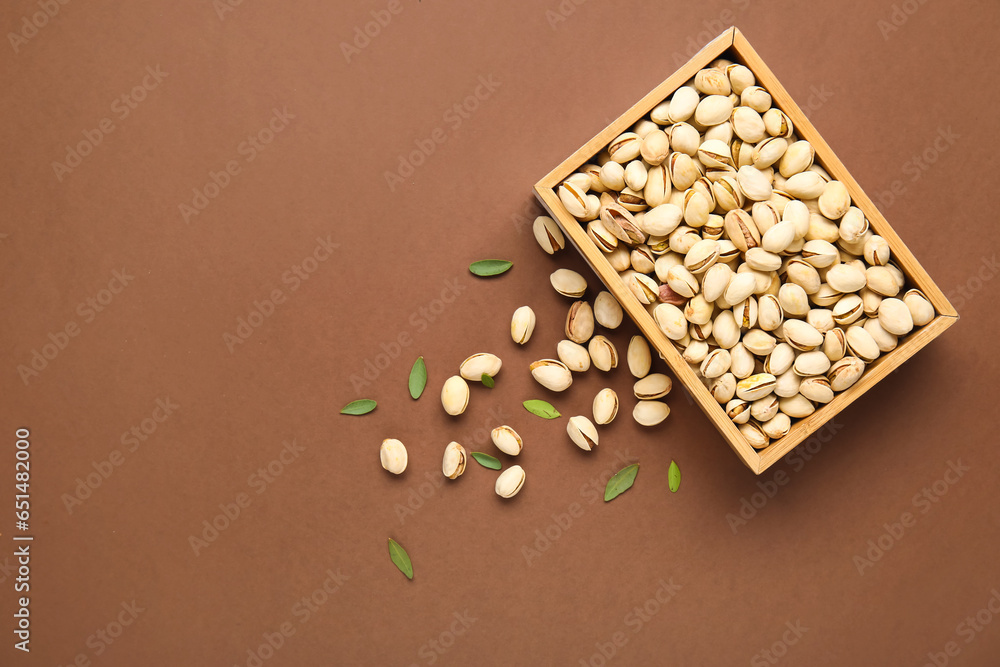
887 98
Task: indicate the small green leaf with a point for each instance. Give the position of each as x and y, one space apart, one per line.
490 267
418 378
486 460
400 558
488 381
674 477
360 407
621 482
541 408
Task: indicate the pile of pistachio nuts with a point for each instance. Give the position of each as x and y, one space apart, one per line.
748 256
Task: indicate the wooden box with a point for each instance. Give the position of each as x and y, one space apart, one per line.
734 46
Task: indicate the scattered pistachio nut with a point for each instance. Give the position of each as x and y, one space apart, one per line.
480 364
453 464
548 234
582 432
510 482
603 353
551 374
455 395
639 358
393 455
507 440
605 406
522 324
650 413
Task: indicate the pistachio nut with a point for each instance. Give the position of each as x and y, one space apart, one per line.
777 426
821 319
811 363
644 288
727 192
631 200
574 355
607 310
684 139
658 186
805 185
921 310
568 283
580 180
522 324
880 280
510 482
393 455
754 434
723 388
886 341
662 220
738 410
895 317
603 353
574 198
787 384
754 183
683 239
820 254
668 295
605 406
453 464
845 278
620 222
816 389
711 81
480 364
642 258
768 151
639 358
862 345
716 281
582 432
797 213
844 373
682 104
764 408
802 335
848 310
702 256
835 344
780 359
796 159
797 406
742 230
594 172
670 319
548 234
625 148
728 251
765 216
834 200
650 413
612 175
695 351
619 258
655 147
507 440
653 386
601 237
777 124
793 299
635 174
740 287
779 237
853 225
726 330
769 312
713 109
551 374
579 322
682 281
747 124
871 301
759 342
756 98
716 363
455 395
876 250
742 361
715 153
745 313
682 169
762 260
755 386
697 208
698 310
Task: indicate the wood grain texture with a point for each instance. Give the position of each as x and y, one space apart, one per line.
733 45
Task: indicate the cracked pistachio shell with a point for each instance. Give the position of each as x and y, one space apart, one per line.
723 388
698 310
643 259
712 81
620 222
756 98
625 148
716 363
802 335
480 364
816 389
582 432
644 288
845 278
455 395
876 250
639 358
848 309
551 374
507 440
579 322
741 229
550 238
393 455
754 435
631 200
777 124
607 311
653 386
658 186
862 345
796 159
853 225
453 463
510 482
727 192
797 406
671 321
769 312
715 153
695 351
601 237
844 373
921 310
568 283
603 353
768 151
811 363
745 313
683 239
780 359
777 426
738 410
574 355
594 172
894 317
765 216
522 324
820 254
574 198
605 406
835 344
683 170
682 281
650 413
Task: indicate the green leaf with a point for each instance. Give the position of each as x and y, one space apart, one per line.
541 408
418 378
488 381
674 477
400 558
621 482
360 407
486 460
490 267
